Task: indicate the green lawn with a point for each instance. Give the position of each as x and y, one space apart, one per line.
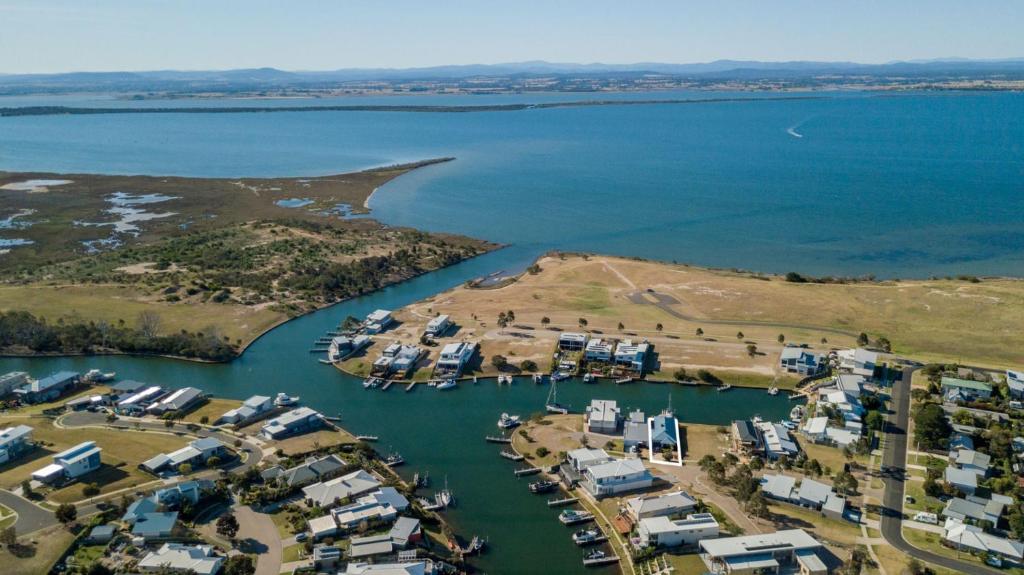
686 564
292 553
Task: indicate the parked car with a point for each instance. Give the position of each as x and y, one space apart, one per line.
302 537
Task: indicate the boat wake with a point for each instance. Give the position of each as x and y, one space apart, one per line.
792 132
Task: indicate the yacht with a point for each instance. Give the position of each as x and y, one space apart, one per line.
285 400
507 421
570 516
586 536
543 486
552 405
446 384
393 459
97 376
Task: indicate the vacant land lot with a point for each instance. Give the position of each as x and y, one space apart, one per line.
212 409
42 550
122 453
977 323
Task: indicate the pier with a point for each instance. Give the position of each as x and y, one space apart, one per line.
527 471
367 437
564 501
510 454
600 561
387 384
409 387
498 439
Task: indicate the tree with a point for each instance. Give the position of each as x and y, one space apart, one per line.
706 462
66 513
659 327
884 344
8 536
931 430
582 321
97 568
227 525
862 339
545 320
511 316
699 332
90 490
739 335
543 451
751 349
502 321
781 338
499 361
845 483
875 420
204 419
148 324
26 489
239 565
528 365
185 468
680 374
824 340
757 506
621 326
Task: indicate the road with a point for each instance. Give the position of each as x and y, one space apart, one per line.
895 459
31 517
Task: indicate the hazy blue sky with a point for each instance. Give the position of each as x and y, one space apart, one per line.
63 35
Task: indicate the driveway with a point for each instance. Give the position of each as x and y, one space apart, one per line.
31 517
257 534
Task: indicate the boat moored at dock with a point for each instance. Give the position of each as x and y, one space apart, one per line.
574 516
543 486
507 421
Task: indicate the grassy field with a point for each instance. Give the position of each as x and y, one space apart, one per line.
121 455
927 319
792 516
45 547
701 440
557 433
310 441
212 409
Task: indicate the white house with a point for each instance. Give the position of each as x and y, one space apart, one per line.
137 402
14 442
195 453
663 505
598 350
454 357
1015 381
779 487
299 420
858 361
11 381
437 326
377 321
582 458
972 538
570 341
632 355
177 557
665 532
799 360
776 440
763 552
250 410
71 463
814 429
617 476
603 416
345 487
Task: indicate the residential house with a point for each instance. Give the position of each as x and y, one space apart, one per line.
965 390
960 441
842 436
779 487
664 532
598 350
343 346
294 422
250 410
384 505
617 476
812 493
976 462
745 437
191 492
634 430
10 381
327 493
800 361
397 358
178 557
1014 380
974 510
177 401
49 388
814 429
406 531
776 441
326 558
196 453
664 431
138 508
406 568
962 479
603 416
858 361
135 403
377 321
663 505
101 534
572 342
438 325
632 356
584 457
973 538
313 470
87 402
127 387
763 553
155 525
70 463
15 442
320 527
454 357
362 547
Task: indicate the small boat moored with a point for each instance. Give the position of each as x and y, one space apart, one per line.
725 387
393 459
543 486
507 421
588 377
97 376
285 400
573 516
446 384
586 537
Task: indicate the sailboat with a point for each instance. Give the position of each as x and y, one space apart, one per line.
552 405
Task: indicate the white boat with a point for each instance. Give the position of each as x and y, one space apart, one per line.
797 413
624 380
504 379
559 376
773 390
97 376
573 516
586 536
393 459
446 384
285 400
725 387
507 421
588 377
372 382
552 405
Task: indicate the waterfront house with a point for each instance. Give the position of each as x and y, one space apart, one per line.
438 325
632 356
814 429
196 453
745 438
616 476
775 440
382 505
177 401
155 525
294 422
584 457
70 463
313 470
328 493
250 410
778 487
789 550
800 361
965 390
397 358
15 442
362 547
1015 382
962 479
136 402
572 342
343 346
974 509
858 361
663 505
87 402
49 388
10 381
405 568
377 321
664 532
181 558
603 416
126 387
976 462
406 531
634 430
664 431
454 357
972 538
598 350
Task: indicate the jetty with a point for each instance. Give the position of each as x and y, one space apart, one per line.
367 438
498 439
409 387
527 471
563 501
600 561
387 384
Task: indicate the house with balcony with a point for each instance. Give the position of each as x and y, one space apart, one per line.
49 388
663 532
70 464
615 477
956 390
792 550
438 325
603 416
598 350
294 422
250 410
572 342
632 356
801 361
454 357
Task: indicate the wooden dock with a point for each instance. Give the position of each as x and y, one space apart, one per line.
527 471
497 439
601 561
560 502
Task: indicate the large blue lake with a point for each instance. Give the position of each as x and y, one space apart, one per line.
849 183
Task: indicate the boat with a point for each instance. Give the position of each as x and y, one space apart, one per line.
586 536
371 382
773 390
444 498
393 459
552 405
571 516
725 387
477 545
543 486
97 376
559 376
512 455
504 380
285 400
538 378
507 421
420 480
624 380
446 384
588 378
367 438
595 554
797 413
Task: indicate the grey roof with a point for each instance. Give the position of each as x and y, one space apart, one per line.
974 458
138 508
367 546
155 524
13 433
834 503
960 508
745 430
180 399
56 379
197 559
404 528
961 477
349 485
762 543
206 443
128 386
666 503
813 491
778 486
617 468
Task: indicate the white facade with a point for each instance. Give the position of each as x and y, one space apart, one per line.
603 416
438 325
664 532
454 357
618 476
598 350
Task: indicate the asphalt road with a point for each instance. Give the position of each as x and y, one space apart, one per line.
31 517
894 460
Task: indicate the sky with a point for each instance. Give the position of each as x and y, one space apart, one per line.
44 36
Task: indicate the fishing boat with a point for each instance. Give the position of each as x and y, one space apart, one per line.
285 400
543 486
507 421
446 384
586 536
97 376
588 378
725 387
572 516
552 405
393 459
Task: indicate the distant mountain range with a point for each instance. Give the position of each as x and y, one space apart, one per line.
267 78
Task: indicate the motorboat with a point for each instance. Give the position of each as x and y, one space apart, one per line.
543 486
588 378
97 376
507 421
504 380
538 378
285 400
595 554
446 384
773 390
559 376
586 537
571 516
797 413
393 459
725 387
